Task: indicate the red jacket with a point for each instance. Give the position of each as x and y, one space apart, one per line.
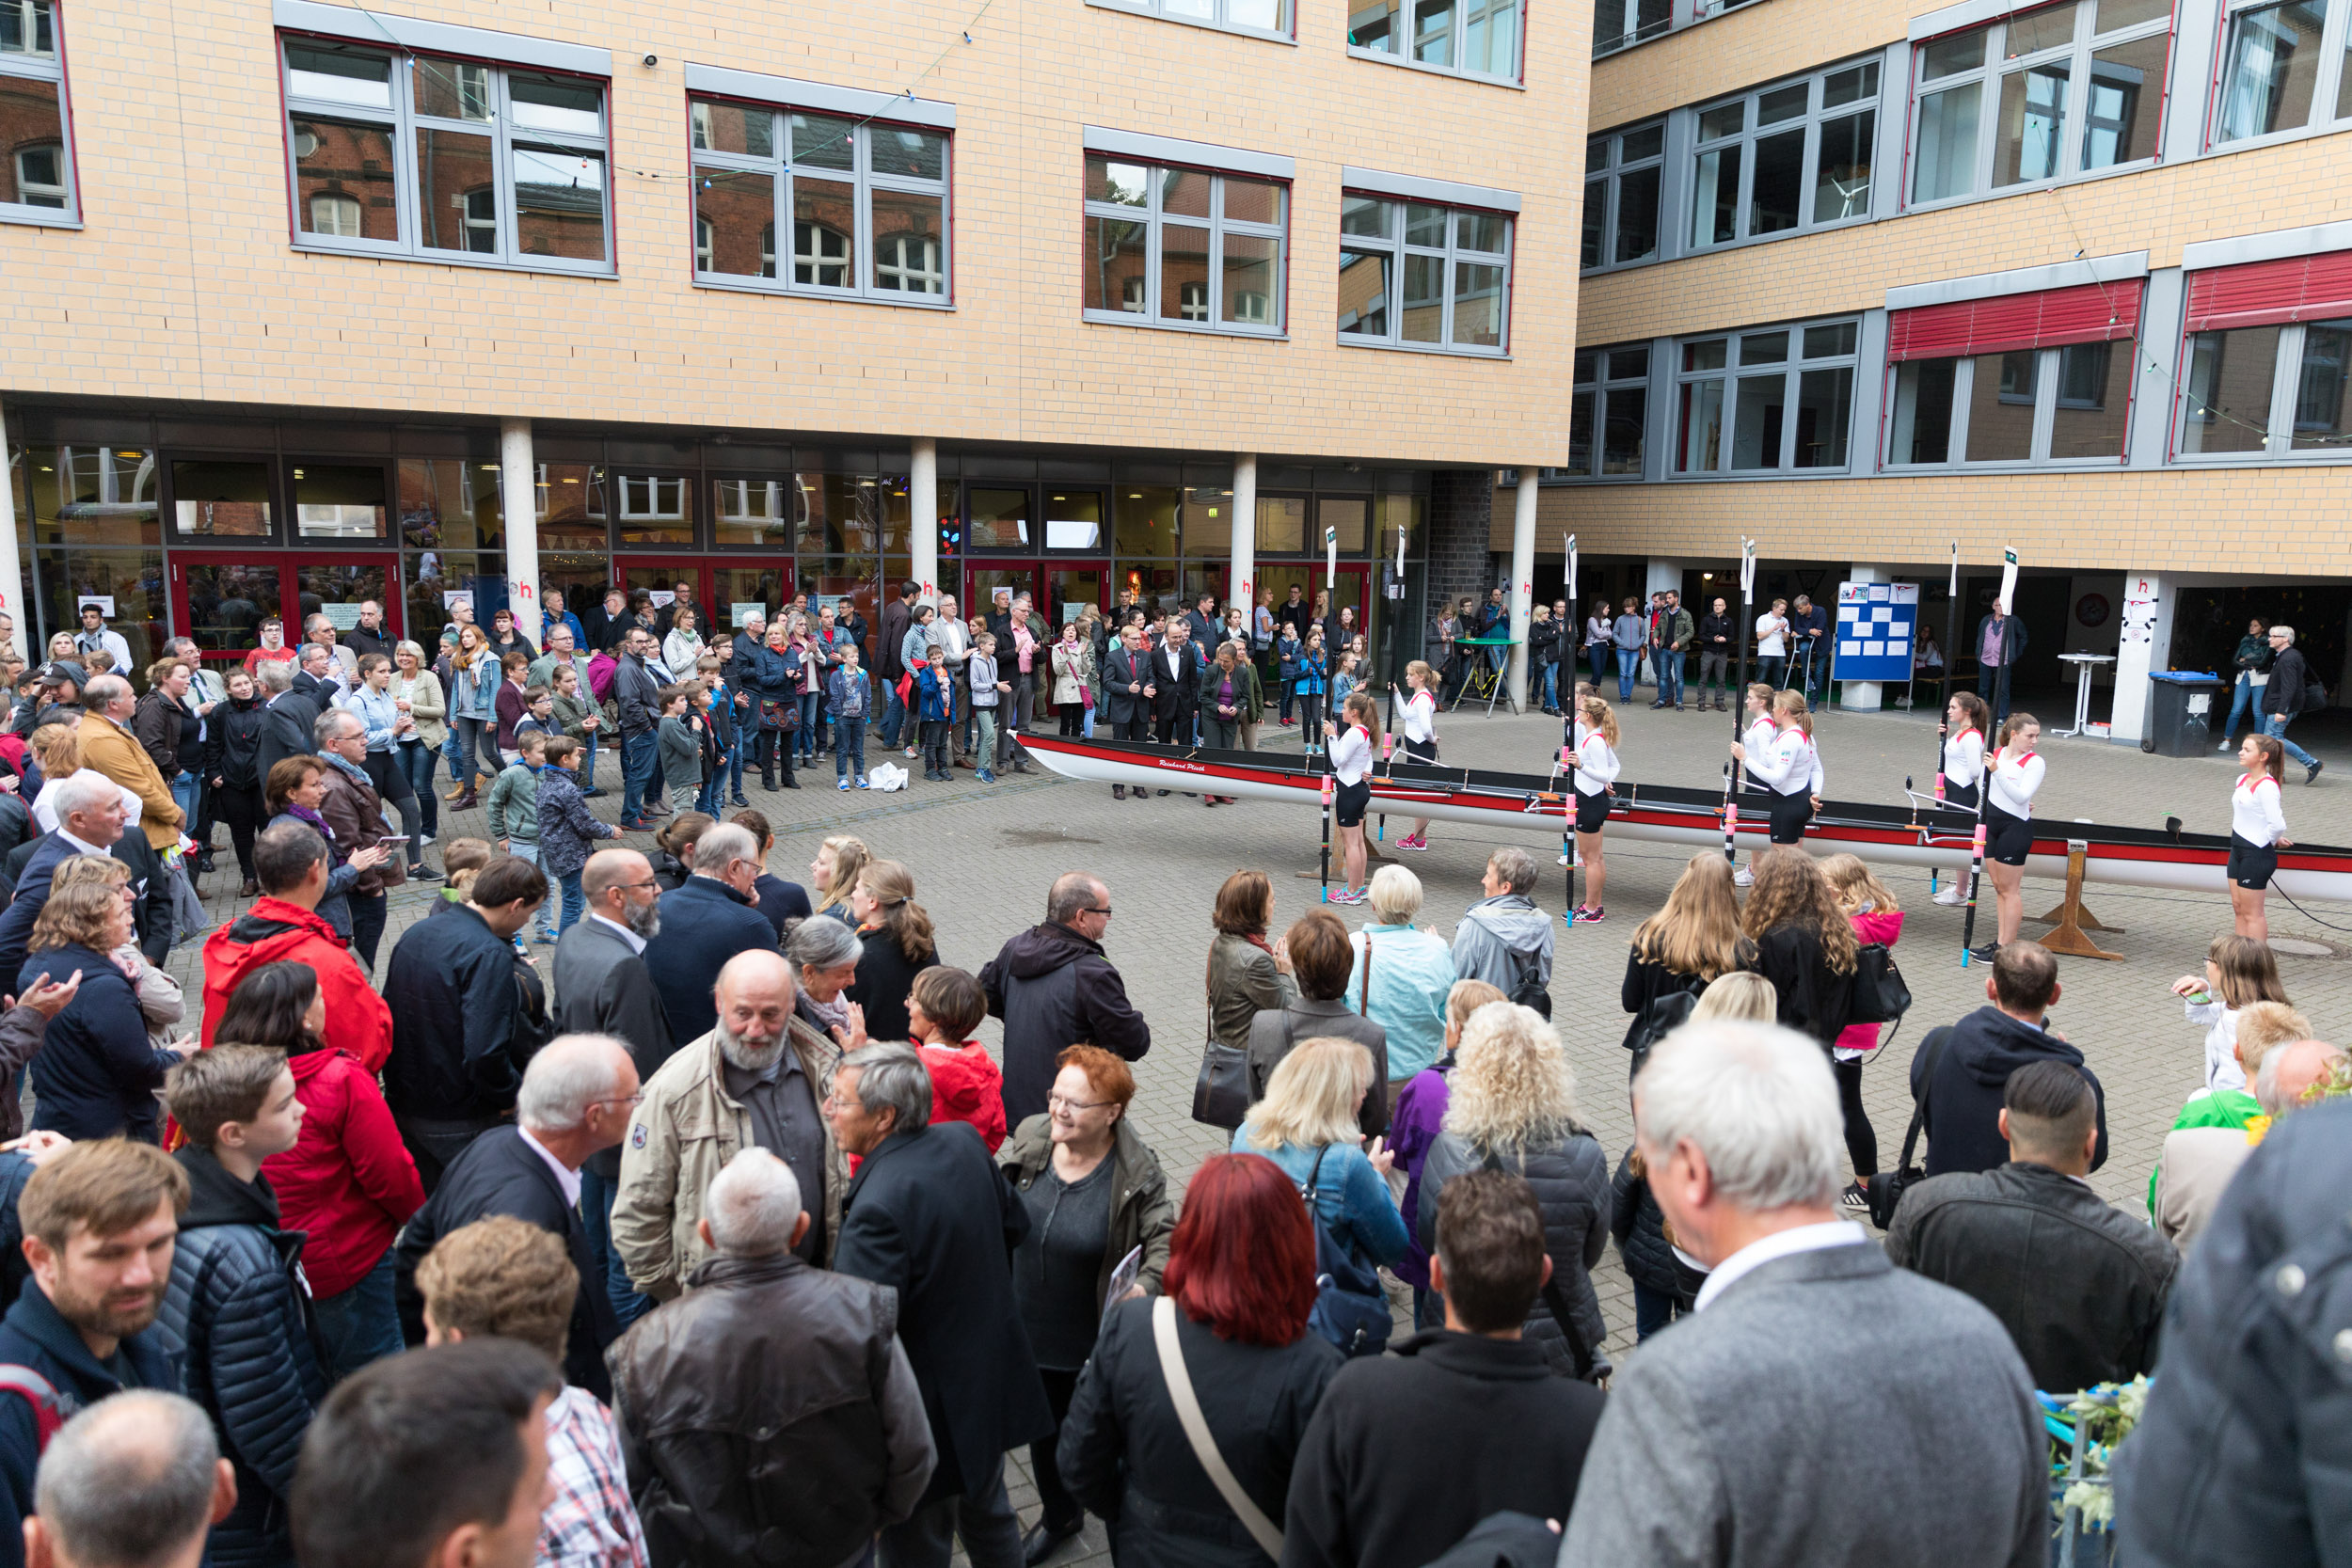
348 1182
274 931
966 1087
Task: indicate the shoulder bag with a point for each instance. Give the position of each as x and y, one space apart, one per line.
1221 1095
1262 1529
1350 1310
1880 993
1885 1189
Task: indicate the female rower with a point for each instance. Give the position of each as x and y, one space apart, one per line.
1417 735
2258 830
1353 745
1596 768
1789 766
2016 776
1965 719
1758 735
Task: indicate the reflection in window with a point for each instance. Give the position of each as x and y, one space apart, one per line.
2271 68
36 171
1471 38
1790 407
1786 157
1217 260
2319 382
1443 273
2227 404
1921 429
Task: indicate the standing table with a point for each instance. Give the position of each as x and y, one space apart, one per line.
1487 672
2083 664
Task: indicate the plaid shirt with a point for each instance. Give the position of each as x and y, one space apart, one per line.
592 1520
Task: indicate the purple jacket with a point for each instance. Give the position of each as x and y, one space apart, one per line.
1412 1132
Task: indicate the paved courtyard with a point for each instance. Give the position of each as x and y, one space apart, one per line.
983 856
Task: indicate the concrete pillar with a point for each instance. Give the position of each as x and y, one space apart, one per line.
1521 587
923 517
1241 584
1663 575
1865 695
2145 644
13 600
518 488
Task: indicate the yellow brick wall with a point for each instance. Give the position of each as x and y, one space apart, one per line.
1741 49
183 284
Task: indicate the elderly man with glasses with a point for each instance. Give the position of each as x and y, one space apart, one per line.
1054 988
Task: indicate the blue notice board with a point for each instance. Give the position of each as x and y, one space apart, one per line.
1876 623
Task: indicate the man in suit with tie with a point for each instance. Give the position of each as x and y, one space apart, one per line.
1176 672
577 1097
1129 692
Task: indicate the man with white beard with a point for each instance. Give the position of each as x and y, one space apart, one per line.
753 1081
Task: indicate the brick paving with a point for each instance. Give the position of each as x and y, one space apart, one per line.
983 856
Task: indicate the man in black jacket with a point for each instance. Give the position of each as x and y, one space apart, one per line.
1176 671
896 616
292 716
930 1216
575 1099
1054 988
2290 691
461 1033
1719 642
1960 1071
1407 1453
2000 644
709 919
1129 694
2079 1285
638 695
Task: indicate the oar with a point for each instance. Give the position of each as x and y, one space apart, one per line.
1739 694
1388 761
1944 719
1327 838
1568 827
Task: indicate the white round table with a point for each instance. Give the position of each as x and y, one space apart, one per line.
2083 664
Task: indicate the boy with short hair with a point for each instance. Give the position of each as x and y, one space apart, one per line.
726 734
515 812
237 1312
986 691
938 706
943 1007
538 714
845 698
679 742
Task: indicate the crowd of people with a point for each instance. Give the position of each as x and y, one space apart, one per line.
719 1236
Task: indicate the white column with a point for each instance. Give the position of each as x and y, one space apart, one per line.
519 486
1522 586
2144 642
1240 582
1870 695
1663 576
12 598
923 517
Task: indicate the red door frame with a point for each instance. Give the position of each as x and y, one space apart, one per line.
972 602
701 572
285 563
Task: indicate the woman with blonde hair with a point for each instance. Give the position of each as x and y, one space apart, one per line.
56 745
1355 739
160 1000
1870 908
1742 994
1414 1129
1687 944
96 1073
1307 1124
897 934
1417 734
1511 1103
833 874
1789 766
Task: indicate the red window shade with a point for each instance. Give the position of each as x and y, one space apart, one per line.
2091 313
2264 294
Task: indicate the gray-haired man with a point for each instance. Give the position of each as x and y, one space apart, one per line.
136 1479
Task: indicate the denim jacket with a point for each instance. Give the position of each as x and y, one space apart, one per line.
378 711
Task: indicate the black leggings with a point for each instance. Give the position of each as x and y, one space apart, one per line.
242 809
1862 1144
1060 1510
1072 718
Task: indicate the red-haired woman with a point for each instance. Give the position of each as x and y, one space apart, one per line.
1240 1283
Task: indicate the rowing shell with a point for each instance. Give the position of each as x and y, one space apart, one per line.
1915 835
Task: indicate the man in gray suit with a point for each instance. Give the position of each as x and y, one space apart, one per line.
1820 1408
602 987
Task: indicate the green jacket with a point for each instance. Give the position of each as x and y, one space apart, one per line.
515 805
1246 677
1142 1214
2214 1108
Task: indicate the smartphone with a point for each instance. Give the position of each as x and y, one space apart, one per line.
391 840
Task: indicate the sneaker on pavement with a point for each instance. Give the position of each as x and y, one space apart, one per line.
842 784
1985 953
987 777
2311 774
861 781
1743 877
1952 894
1591 913
1856 1197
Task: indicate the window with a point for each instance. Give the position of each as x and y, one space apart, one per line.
2269 351
1622 171
1468 37
396 153
36 177
1264 18
866 203
1788 157
1774 399
2040 377
1609 412
2041 95
1618 24
1183 247
2277 69
1417 276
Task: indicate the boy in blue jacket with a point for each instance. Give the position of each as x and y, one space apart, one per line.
846 696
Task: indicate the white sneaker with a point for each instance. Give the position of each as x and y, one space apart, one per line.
1951 893
1743 878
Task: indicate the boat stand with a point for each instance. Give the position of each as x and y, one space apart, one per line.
2070 918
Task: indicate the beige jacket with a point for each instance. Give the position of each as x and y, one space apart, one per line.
685 1131
2198 1164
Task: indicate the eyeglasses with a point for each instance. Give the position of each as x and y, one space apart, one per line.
632 887
1105 911
1062 1103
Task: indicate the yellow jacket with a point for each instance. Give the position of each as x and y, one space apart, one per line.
109 749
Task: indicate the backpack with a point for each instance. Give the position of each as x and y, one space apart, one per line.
1351 1311
51 1409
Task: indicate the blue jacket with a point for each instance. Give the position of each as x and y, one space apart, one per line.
1350 1195
1312 667
567 828
934 693
96 1076
847 694
35 1337
235 1317
40 863
703 923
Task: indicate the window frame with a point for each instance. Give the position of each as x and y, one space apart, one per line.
1397 245
2327 86
1215 226
1791 367
403 120
1611 179
1817 117
2286 372
1991 73
864 180
1400 16
1593 377
1217 22
2048 402
50 68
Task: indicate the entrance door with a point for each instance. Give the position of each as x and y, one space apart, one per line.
1059 589
721 588
221 601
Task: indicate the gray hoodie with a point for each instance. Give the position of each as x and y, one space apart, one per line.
1499 938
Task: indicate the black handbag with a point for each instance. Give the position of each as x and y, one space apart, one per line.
1884 1190
1880 994
1660 1017
1221 1095
1350 1310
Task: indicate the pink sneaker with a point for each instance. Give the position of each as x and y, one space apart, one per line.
1412 841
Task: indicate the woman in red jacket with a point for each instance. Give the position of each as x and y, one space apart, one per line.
348 1182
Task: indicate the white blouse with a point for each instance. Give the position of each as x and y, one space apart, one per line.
1963 758
2015 779
2255 815
1419 719
1351 754
1790 763
1597 764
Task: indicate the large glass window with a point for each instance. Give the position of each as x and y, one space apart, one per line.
2276 69
396 153
1622 171
1617 24
1470 38
1264 18
1794 156
36 163
1416 276
1772 399
2042 95
2272 388
1183 247
1609 412
866 204
2069 404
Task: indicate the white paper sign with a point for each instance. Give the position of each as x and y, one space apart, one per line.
663 597
742 614
455 599
342 617
106 603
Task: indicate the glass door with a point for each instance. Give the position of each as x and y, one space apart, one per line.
735 588
1072 585
221 601
982 579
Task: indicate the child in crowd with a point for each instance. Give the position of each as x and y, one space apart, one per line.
1287 653
237 1301
679 742
987 691
577 715
462 859
1870 908
2239 972
538 714
1313 677
567 829
848 694
944 1008
711 798
1343 679
937 706
726 733
515 811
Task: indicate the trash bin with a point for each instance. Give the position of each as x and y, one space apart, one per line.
2181 711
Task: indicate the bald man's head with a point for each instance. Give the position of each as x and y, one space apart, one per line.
619 886
754 995
2292 1072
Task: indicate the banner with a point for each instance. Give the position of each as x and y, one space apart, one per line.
2008 581
1569 593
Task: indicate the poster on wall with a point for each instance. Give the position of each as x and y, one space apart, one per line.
1876 623
455 599
106 603
2139 611
740 615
